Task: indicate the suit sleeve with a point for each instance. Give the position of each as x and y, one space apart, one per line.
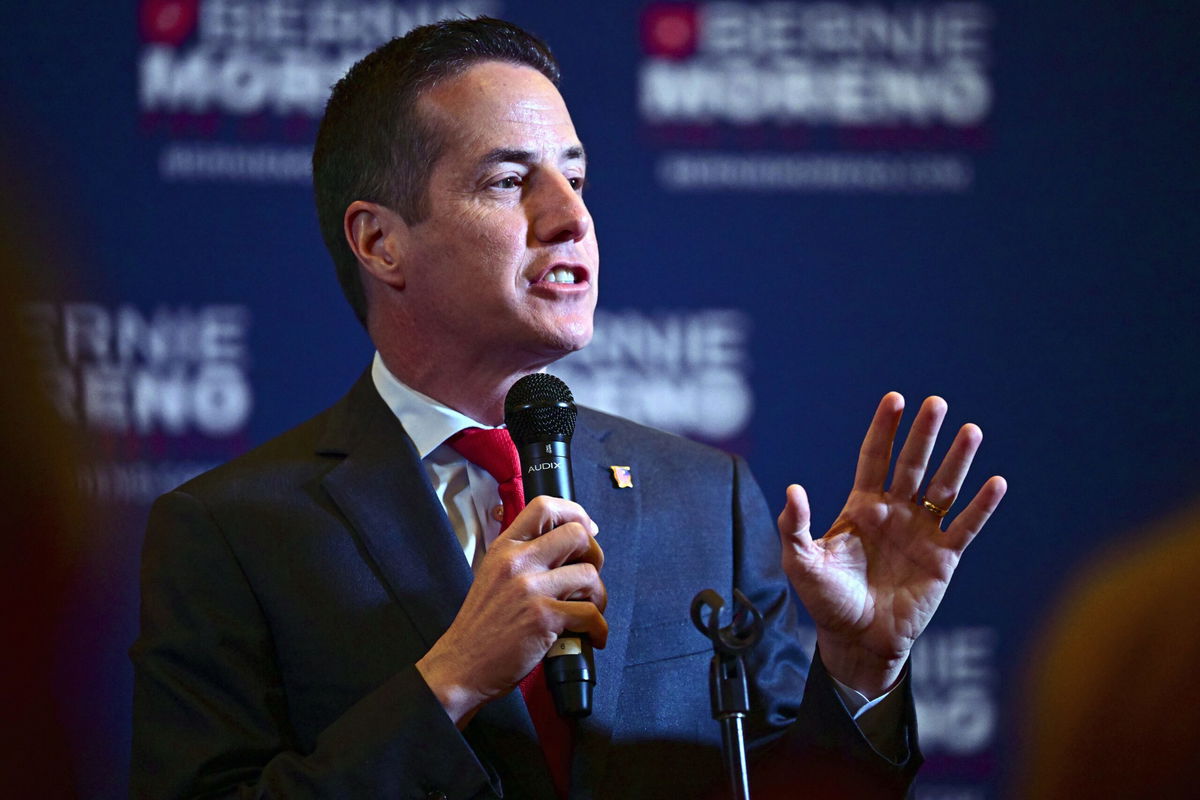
801 732
209 708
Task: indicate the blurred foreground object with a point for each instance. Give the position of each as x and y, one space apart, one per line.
41 542
1116 703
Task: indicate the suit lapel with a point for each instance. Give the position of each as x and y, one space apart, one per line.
383 492
617 512
385 495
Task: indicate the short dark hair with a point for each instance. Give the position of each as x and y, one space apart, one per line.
373 145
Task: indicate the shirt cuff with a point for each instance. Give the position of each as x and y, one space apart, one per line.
856 702
880 720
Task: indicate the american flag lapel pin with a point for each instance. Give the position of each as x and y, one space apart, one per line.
622 477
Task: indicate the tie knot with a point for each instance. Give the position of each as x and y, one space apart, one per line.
492 449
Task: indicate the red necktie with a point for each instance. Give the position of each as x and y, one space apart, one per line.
494 451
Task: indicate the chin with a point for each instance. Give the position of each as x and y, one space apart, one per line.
564 342
579 334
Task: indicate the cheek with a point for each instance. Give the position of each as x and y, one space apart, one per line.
499 229
471 256
495 253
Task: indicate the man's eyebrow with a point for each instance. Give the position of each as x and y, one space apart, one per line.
505 154
516 156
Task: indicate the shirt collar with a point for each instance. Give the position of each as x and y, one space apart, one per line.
427 422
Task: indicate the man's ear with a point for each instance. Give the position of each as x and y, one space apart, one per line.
376 235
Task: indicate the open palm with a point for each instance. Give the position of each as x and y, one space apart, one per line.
874 580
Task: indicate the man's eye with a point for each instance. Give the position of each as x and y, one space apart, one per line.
511 182
577 183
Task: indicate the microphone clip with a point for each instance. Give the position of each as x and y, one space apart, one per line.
728 693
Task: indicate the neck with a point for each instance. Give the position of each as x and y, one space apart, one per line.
476 388
476 394
440 365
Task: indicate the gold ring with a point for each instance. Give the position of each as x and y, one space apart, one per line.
933 508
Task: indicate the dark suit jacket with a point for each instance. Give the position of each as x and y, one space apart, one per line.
287 595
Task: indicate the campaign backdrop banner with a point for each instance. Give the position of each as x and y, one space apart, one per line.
801 206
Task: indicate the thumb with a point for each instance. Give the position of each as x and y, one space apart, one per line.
794 520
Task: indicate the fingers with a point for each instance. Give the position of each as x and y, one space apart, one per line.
582 618
946 483
914 456
570 598
565 544
972 518
911 465
875 456
542 515
555 549
574 582
548 533
794 520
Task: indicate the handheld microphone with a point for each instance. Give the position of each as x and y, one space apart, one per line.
540 414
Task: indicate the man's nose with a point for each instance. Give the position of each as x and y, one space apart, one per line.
560 213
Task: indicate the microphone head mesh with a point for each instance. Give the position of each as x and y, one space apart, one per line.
537 407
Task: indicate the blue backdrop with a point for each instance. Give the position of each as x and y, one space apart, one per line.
801 206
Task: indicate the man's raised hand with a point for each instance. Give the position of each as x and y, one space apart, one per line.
874 580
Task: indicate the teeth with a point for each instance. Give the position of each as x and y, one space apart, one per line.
560 275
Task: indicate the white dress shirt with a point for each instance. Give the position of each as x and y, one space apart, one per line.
467 491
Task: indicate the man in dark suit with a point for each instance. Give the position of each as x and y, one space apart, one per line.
338 614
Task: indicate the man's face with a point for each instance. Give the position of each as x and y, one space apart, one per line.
506 261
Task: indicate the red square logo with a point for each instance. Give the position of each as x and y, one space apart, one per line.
670 30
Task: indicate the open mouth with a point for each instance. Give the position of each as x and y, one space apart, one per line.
560 275
563 275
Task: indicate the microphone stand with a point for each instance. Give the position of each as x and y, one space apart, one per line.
727 676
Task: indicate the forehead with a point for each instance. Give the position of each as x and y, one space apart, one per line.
496 104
